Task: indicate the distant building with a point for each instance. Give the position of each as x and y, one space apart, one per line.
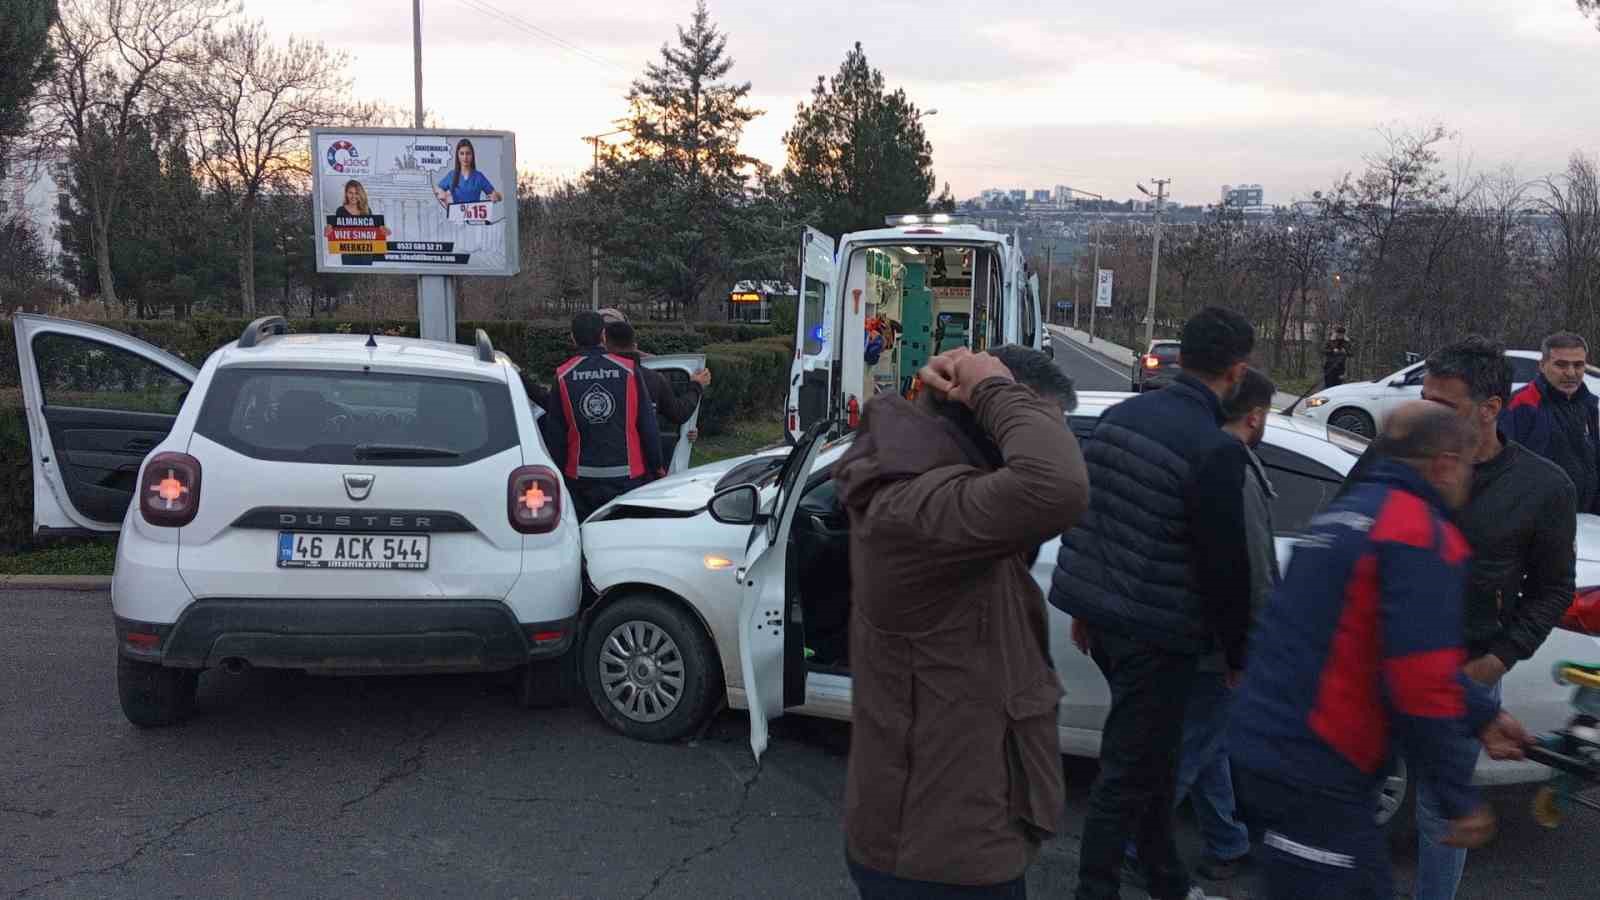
1019 195
1042 197
1243 195
992 196
36 192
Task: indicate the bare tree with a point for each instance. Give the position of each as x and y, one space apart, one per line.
116 61
253 104
1572 201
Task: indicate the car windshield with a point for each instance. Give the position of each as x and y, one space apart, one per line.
1166 354
349 417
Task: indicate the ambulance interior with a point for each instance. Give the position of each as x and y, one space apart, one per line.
919 301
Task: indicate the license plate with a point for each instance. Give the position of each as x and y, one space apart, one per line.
303 550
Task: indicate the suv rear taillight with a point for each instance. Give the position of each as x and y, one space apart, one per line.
169 495
533 500
1583 616
1151 362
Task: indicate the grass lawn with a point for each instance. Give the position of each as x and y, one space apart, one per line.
743 436
80 558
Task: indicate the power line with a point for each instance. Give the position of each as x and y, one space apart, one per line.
524 25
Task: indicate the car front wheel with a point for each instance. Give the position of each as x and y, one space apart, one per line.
651 670
153 695
1354 421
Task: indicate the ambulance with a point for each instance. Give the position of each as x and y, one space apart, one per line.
877 304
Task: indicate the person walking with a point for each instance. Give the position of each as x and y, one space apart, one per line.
1335 356
1204 775
1156 575
1521 523
600 426
955 771
1557 417
1363 643
672 408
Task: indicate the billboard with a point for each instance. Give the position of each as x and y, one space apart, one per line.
391 201
1102 293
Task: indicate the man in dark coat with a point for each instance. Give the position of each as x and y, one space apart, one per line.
672 408
1555 416
955 768
1155 576
1335 354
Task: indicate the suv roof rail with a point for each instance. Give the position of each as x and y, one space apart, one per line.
485 348
265 325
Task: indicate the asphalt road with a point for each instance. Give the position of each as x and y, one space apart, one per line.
286 785
1089 370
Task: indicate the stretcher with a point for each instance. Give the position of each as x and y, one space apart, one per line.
1573 752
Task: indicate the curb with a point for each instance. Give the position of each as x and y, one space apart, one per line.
79 583
1112 352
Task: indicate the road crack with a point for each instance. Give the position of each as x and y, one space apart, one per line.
738 817
139 850
408 768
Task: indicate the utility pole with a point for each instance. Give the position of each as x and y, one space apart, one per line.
1155 259
436 294
1095 297
594 249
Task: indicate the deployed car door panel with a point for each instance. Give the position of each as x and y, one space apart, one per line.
675 444
97 403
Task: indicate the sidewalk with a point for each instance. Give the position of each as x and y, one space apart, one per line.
1119 353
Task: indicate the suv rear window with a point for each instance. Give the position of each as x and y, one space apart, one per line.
1166 353
357 417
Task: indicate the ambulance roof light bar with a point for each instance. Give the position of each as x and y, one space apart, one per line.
923 219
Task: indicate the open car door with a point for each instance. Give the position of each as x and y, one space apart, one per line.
677 436
97 402
812 375
771 626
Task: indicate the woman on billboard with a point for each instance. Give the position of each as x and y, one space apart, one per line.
464 183
355 201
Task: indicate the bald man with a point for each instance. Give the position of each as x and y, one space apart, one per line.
1362 646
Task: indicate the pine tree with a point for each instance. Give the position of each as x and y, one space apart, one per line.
672 207
858 152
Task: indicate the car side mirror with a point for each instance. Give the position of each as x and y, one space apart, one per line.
1397 383
736 505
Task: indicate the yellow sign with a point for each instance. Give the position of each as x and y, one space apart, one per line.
358 247
744 298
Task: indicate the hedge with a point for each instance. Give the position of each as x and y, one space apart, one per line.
749 364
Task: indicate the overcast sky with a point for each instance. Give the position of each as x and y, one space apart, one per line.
1096 94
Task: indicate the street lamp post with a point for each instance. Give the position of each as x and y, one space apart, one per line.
1094 298
594 250
1155 258
436 294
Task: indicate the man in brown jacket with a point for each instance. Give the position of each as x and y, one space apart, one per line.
955 769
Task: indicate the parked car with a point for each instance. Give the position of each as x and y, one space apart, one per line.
1360 407
333 503
687 618
1157 366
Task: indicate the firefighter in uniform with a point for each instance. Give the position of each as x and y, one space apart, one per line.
601 426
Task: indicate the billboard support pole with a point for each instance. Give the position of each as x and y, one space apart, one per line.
436 294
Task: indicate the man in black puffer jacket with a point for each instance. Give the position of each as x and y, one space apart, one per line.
1155 575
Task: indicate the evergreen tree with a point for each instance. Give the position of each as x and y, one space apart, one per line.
672 207
25 59
858 152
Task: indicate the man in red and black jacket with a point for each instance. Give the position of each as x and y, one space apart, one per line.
600 426
1361 648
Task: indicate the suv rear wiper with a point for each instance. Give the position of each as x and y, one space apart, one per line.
402 451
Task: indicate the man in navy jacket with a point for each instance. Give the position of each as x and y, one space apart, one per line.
1360 648
1557 417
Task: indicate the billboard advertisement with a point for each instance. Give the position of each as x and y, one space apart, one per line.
1102 294
394 201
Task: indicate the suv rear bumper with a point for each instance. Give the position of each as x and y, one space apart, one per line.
347 635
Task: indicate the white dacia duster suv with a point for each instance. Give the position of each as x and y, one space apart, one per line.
331 503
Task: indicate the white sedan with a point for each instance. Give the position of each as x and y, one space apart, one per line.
1360 407
693 611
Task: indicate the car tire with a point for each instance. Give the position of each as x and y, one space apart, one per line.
1397 807
153 695
650 669
1355 421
